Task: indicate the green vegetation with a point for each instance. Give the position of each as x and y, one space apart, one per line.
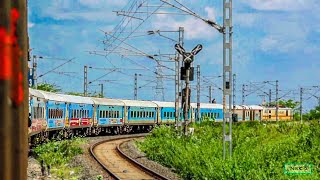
57 155
75 93
259 151
285 103
313 114
47 87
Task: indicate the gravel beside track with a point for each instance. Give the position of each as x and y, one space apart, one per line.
131 150
91 168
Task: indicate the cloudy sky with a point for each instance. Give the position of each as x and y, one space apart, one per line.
273 40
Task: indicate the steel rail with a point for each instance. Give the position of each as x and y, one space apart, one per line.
134 162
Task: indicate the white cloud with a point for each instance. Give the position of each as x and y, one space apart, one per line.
97 10
194 28
282 5
211 12
102 3
245 19
89 15
30 24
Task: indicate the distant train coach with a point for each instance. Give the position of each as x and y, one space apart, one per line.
62 116
284 114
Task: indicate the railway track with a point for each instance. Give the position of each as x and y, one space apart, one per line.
120 166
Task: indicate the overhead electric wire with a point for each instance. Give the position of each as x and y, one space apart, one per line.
121 41
56 67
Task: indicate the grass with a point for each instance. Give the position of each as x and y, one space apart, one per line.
259 151
58 154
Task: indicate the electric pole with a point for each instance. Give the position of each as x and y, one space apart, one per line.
101 91
210 93
227 32
243 95
34 68
227 74
277 103
85 80
301 94
198 93
177 77
135 86
234 93
270 95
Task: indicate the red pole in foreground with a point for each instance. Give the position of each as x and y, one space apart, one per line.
13 89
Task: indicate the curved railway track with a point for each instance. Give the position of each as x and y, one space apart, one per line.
120 166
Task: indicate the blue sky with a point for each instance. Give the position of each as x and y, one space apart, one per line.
273 40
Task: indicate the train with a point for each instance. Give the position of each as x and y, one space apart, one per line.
53 115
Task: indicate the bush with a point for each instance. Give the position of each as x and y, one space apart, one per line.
57 155
259 151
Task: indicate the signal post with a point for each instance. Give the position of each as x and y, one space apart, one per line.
187 75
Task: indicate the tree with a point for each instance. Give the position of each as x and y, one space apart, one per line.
289 103
47 87
314 114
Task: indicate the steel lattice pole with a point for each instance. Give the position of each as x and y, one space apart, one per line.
227 74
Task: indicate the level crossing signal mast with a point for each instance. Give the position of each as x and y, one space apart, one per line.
187 75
